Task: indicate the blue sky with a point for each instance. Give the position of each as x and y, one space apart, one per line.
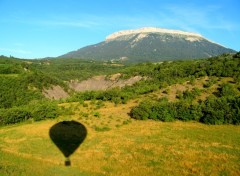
49 28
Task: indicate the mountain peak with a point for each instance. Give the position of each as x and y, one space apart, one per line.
150 45
151 30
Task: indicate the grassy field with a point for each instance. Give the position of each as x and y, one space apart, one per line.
118 145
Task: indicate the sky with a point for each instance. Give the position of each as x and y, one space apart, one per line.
49 28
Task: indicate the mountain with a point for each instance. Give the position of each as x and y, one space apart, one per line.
150 44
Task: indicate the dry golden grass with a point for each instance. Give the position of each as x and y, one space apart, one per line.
134 148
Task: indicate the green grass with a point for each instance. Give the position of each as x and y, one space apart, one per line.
118 145
136 148
10 75
21 166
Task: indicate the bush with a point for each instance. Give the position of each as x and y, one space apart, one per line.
188 95
227 90
14 115
153 110
224 110
142 111
96 114
36 111
208 84
183 111
163 112
45 110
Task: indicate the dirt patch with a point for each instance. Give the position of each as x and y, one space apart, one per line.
102 83
55 92
95 83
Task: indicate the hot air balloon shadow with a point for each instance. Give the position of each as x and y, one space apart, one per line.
68 136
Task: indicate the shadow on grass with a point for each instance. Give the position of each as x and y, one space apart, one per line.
68 136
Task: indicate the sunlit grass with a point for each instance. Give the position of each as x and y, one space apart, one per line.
118 145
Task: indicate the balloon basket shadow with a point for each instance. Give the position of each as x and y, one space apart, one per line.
68 136
67 162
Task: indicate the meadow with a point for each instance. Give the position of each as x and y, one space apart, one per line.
118 145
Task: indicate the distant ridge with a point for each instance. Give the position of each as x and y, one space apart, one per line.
150 44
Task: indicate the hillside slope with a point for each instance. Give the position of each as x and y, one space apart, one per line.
21 82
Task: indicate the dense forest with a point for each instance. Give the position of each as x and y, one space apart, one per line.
22 83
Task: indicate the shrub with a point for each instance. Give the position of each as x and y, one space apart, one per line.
196 91
96 114
139 113
227 90
224 110
99 129
37 111
208 84
14 115
153 110
144 111
189 95
45 110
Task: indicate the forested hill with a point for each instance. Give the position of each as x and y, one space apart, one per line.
22 83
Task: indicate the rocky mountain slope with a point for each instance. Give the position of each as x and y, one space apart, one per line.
150 44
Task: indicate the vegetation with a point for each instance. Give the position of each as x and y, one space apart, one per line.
114 147
16 91
35 111
224 110
165 74
206 90
71 69
220 108
22 83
